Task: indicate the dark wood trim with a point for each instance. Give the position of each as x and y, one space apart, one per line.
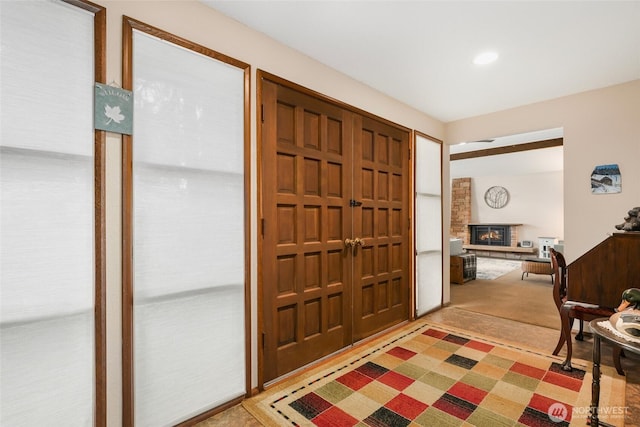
129 24
172 38
100 319
280 81
260 237
127 238
100 36
556 142
87 5
412 225
247 227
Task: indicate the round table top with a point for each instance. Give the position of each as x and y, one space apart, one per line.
607 335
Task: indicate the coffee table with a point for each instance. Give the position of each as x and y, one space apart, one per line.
536 266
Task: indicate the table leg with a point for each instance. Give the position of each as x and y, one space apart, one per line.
595 384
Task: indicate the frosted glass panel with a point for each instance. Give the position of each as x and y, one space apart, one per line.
429 282
47 76
47 234
189 230
428 223
193 108
180 369
428 166
188 204
47 371
428 203
46 214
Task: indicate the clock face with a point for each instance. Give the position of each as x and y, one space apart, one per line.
496 197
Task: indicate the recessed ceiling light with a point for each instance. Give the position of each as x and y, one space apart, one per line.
485 58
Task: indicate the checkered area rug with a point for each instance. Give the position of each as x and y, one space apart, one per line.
433 375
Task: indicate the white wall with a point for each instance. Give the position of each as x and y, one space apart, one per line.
535 201
600 127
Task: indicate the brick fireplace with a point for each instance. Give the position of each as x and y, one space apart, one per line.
506 247
493 234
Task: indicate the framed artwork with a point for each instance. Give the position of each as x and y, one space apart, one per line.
606 179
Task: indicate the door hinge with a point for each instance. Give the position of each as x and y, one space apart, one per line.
262 113
409 153
263 340
354 203
262 227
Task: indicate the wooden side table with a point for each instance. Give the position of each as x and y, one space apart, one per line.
457 270
600 333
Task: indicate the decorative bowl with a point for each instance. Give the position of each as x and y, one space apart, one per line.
627 322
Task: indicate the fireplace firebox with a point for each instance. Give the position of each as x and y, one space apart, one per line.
490 234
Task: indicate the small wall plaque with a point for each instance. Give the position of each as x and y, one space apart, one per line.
113 110
606 179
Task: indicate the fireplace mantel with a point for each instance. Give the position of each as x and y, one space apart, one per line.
494 223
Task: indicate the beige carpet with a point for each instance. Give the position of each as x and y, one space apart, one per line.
529 300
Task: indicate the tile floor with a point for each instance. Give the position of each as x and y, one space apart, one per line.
528 335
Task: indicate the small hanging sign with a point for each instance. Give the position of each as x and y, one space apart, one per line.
606 179
113 110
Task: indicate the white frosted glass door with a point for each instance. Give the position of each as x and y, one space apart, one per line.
188 232
428 201
47 266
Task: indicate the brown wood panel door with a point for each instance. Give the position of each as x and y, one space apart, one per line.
306 175
318 294
381 221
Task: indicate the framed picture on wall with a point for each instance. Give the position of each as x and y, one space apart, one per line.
606 179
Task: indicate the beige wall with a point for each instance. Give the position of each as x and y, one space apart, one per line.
195 22
600 127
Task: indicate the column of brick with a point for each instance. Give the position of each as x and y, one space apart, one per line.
460 208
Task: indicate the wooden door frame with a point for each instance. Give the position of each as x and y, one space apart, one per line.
412 166
128 25
99 226
264 75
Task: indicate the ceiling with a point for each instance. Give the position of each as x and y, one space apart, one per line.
530 162
421 52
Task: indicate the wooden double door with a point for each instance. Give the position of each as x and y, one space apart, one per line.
335 227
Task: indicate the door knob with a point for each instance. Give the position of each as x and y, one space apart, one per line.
359 241
350 243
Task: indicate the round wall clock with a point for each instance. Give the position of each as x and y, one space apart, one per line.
496 197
